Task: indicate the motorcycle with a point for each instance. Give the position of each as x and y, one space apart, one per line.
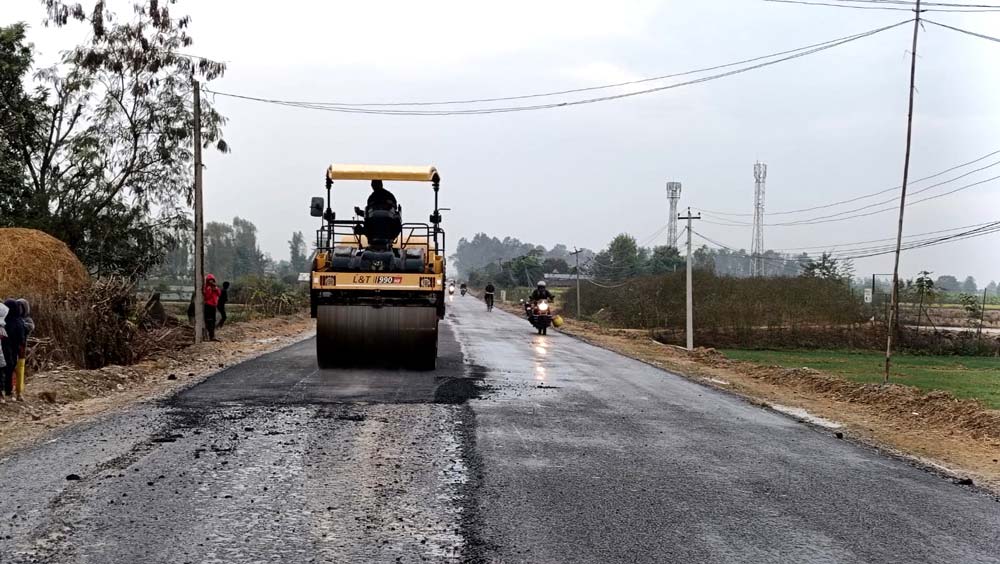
451 289
539 315
464 290
488 298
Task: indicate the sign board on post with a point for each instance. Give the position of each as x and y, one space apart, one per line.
868 295
303 277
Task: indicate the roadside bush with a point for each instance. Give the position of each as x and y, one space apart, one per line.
722 303
89 328
267 296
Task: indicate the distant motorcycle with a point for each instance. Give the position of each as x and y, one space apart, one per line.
464 289
539 315
488 298
451 289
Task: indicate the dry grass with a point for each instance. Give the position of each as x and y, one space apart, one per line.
33 262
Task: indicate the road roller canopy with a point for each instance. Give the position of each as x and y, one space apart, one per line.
382 172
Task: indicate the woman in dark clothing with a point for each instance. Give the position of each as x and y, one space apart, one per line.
11 345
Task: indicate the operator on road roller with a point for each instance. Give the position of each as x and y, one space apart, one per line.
377 284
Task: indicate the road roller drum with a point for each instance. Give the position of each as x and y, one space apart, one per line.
351 335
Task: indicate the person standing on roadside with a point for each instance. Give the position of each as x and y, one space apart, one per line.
3 338
11 346
22 358
223 300
211 294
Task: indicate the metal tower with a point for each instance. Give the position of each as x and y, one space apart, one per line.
673 194
757 247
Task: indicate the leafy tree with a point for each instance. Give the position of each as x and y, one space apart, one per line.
969 285
247 259
827 268
106 152
298 259
925 287
220 254
18 112
551 265
973 309
663 259
991 288
623 258
703 259
948 283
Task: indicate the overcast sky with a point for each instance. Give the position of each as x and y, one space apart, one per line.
830 126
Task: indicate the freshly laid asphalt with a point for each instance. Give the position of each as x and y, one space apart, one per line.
519 448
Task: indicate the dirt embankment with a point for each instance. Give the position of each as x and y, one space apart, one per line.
62 396
957 435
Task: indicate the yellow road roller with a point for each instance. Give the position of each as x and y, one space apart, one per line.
377 287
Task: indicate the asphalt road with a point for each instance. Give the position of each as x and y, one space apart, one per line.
569 454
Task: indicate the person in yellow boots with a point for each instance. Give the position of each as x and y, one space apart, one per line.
3 347
29 328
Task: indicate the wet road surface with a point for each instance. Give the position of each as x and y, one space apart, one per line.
572 454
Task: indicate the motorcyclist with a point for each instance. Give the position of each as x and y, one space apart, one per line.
541 292
463 287
488 294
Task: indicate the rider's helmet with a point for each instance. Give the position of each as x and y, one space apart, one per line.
541 283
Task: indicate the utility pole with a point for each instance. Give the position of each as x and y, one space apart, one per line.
199 223
893 316
576 252
690 300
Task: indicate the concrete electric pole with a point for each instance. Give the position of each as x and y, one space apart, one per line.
576 253
199 223
690 300
893 317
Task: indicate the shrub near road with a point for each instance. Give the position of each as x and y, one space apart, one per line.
722 303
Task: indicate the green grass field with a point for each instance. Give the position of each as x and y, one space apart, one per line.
965 377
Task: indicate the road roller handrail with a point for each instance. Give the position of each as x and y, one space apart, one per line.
382 172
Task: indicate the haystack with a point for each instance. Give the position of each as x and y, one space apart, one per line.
33 263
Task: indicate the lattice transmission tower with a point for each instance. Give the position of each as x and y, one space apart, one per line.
757 247
673 194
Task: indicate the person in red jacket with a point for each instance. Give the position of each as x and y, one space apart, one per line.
211 293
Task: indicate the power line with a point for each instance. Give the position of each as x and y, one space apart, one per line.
965 31
959 9
851 244
833 218
913 4
863 196
802 52
867 252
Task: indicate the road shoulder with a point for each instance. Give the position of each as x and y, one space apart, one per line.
959 439
63 397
